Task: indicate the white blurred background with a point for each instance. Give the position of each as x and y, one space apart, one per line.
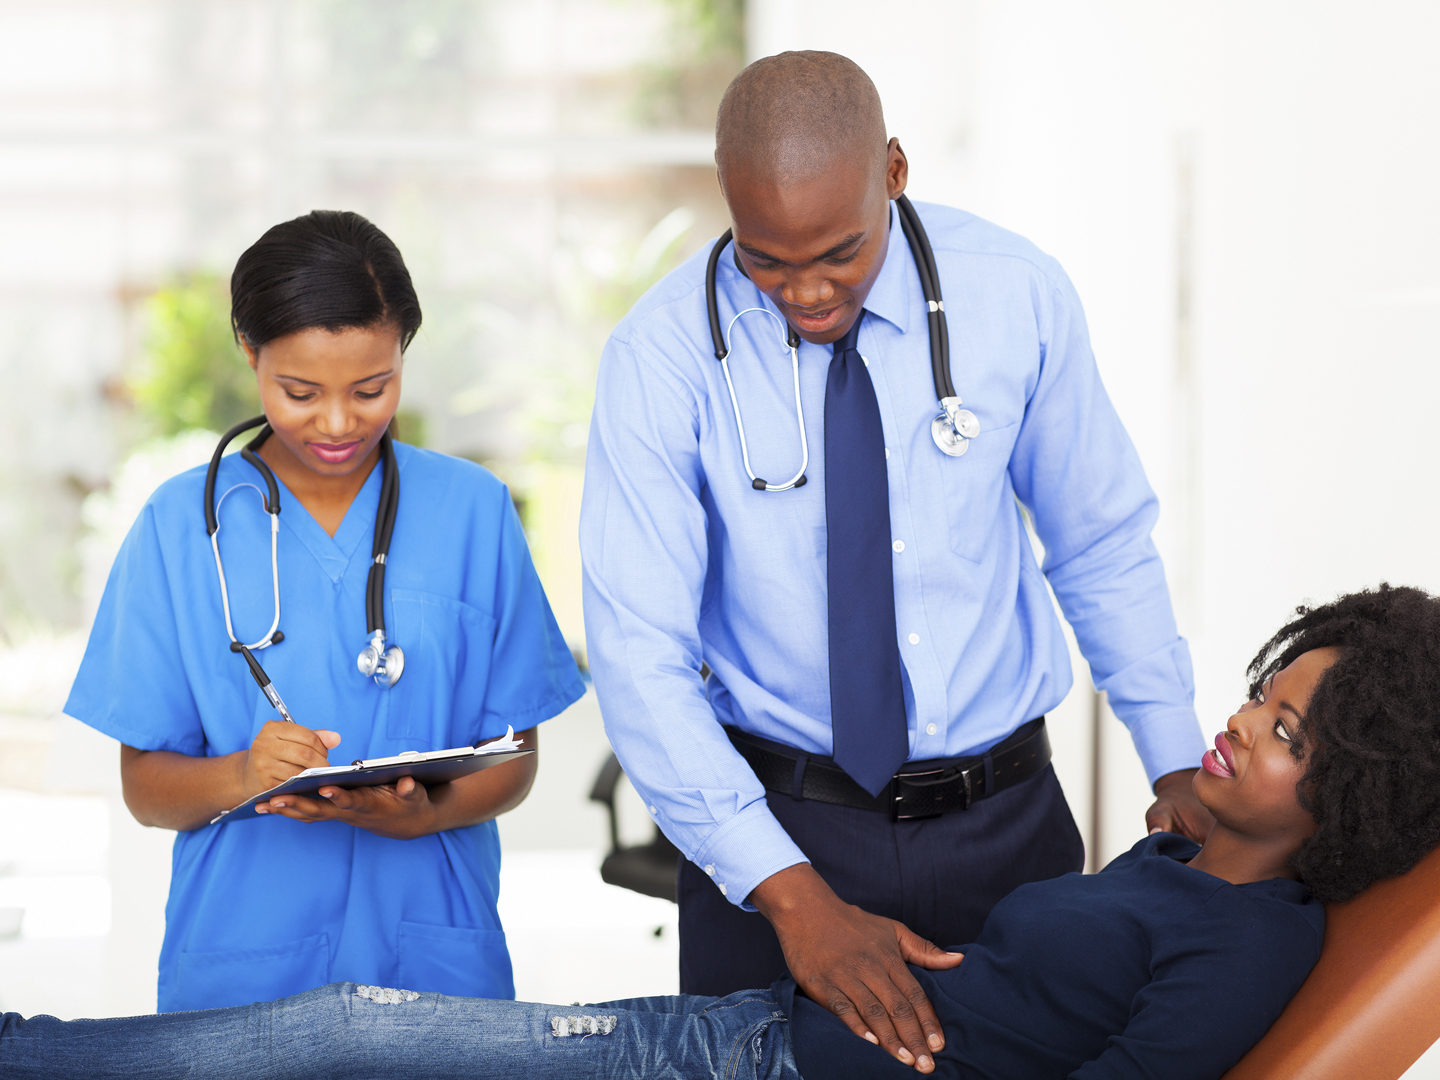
1243 194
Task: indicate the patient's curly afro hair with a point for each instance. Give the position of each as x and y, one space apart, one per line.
1373 723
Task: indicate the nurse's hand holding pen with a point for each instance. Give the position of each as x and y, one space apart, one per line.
283 749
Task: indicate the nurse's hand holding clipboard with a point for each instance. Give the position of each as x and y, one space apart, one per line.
405 810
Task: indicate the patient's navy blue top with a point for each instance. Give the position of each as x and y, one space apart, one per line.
1147 969
262 908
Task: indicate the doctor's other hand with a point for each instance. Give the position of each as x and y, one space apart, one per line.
853 963
1177 810
281 750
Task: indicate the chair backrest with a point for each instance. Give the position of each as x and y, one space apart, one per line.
1371 1007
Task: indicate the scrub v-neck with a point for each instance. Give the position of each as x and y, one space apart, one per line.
334 553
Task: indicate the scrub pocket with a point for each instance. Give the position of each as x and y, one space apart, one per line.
217 980
974 486
453 960
448 646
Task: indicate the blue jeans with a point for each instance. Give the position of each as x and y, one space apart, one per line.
347 1032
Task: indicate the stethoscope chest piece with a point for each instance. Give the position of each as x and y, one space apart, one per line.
383 665
954 427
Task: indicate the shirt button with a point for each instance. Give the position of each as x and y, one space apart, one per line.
887 453
722 888
653 810
899 546
710 869
867 360
930 729
914 639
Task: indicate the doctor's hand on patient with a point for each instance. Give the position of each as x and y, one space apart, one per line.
1177 810
853 963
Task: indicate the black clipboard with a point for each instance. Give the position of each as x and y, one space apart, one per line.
436 767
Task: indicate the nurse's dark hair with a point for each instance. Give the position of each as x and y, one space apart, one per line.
331 269
1373 728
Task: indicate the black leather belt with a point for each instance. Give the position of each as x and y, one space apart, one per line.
922 789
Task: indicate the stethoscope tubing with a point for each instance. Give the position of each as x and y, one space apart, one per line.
380 545
755 481
269 637
939 326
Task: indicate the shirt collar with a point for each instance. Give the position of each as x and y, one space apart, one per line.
891 297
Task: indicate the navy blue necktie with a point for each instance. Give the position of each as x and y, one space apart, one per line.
867 704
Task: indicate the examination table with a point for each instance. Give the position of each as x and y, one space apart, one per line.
1368 1011
1371 1007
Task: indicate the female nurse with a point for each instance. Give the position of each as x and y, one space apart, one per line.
397 885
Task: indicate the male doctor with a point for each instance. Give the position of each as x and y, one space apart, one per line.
865 769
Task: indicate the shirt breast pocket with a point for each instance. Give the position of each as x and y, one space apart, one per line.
448 648
976 490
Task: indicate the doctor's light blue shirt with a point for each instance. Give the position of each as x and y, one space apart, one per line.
685 562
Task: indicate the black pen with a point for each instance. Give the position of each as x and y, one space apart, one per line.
266 686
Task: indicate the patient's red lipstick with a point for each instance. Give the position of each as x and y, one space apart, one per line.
1220 762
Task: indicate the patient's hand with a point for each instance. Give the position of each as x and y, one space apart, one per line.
1177 810
853 963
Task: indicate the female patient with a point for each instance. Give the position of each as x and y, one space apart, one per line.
1170 963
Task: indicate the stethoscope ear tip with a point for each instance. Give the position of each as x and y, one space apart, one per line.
758 484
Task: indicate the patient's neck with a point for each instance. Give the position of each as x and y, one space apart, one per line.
1238 858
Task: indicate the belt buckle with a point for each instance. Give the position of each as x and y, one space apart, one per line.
924 780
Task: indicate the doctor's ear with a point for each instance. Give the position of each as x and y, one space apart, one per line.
897 170
252 356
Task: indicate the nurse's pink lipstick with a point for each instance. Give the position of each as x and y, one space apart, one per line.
1220 761
334 453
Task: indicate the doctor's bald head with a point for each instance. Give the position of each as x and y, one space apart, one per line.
808 176
791 116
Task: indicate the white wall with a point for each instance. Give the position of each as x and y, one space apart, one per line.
1285 423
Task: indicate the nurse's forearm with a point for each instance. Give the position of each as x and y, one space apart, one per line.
176 791
485 795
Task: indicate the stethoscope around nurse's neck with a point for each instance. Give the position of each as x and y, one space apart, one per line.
951 429
376 660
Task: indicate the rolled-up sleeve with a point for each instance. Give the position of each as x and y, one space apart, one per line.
644 550
1077 471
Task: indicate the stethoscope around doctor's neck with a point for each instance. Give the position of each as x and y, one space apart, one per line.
376 660
952 428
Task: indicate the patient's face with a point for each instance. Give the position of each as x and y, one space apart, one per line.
1248 781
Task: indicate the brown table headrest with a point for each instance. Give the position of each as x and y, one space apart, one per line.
1371 1007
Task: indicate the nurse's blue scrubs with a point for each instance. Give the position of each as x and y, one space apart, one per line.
267 907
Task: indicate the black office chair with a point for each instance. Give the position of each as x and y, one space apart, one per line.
646 868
